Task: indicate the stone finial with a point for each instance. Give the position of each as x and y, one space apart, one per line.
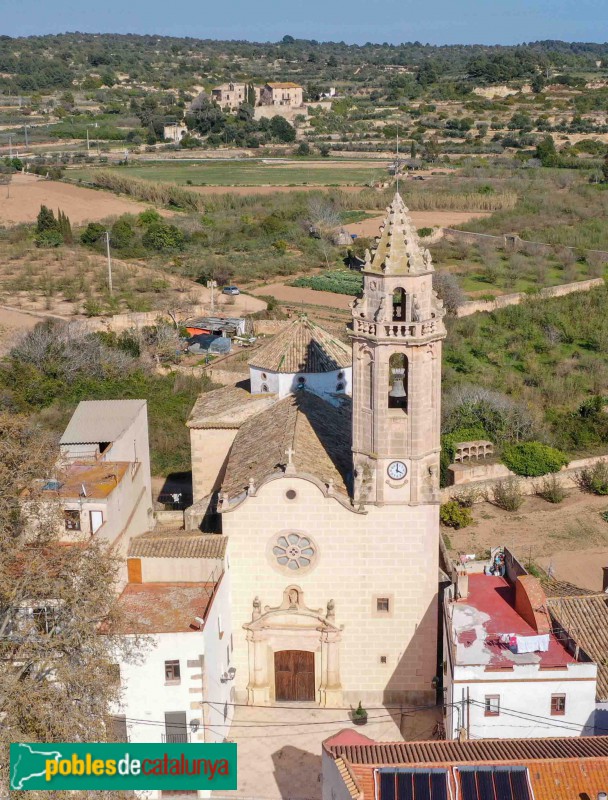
331 610
330 486
257 609
251 487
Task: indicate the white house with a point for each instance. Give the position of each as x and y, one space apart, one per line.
180 690
102 479
303 356
505 672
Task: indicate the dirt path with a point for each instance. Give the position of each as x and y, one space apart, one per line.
571 536
421 219
12 323
29 192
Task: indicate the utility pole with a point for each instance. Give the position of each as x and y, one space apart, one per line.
88 144
10 146
25 127
110 287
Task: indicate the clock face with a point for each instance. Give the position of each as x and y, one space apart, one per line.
397 470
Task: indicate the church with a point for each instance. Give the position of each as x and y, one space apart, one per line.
323 475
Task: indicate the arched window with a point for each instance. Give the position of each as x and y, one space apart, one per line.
340 387
367 375
301 382
397 381
399 302
264 387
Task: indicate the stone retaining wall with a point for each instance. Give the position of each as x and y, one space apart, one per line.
484 478
474 306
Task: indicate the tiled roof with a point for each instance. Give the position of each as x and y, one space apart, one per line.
555 588
586 621
163 607
472 751
318 432
97 421
302 347
284 85
552 779
178 544
228 407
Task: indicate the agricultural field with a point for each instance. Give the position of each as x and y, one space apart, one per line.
250 173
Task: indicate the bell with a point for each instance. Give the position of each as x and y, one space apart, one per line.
397 393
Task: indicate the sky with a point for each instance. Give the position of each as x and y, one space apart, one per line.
351 21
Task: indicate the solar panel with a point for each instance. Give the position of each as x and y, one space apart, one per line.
439 789
387 785
405 786
485 785
519 782
468 785
494 783
413 784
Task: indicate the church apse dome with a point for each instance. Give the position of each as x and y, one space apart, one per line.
302 357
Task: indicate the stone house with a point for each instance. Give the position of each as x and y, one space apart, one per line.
282 94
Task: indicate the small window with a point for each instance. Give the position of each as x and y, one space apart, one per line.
301 381
264 387
172 672
340 387
383 659
558 705
264 376
340 376
383 605
291 494
492 706
71 520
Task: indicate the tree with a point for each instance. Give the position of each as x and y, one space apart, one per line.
65 227
58 680
448 289
122 234
282 130
324 219
92 233
163 237
546 152
46 221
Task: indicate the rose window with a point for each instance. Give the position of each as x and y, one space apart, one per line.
294 551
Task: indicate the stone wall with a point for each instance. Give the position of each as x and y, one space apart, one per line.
135 319
483 477
473 306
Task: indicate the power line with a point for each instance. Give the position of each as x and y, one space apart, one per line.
551 721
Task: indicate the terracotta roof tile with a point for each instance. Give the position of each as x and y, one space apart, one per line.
228 407
302 347
559 769
320 434
585 619
177 544
164 607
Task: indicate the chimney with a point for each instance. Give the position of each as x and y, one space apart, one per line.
604 579
461 584
602 795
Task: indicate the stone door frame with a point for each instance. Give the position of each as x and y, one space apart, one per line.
293 626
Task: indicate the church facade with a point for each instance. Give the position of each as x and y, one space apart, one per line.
330 503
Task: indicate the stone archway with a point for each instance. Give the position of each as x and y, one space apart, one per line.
293 627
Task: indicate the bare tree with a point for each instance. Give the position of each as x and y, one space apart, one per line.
448 289
59 623
324 219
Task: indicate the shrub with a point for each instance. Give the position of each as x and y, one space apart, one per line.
533 459
49 238
424 232
453 515
92 233
551 489
161 237
594 479
507 494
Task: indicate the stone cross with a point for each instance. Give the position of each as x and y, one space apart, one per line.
290 452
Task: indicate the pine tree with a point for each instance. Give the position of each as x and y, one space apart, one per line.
64 226
413 149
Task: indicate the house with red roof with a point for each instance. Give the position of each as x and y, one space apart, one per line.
507 672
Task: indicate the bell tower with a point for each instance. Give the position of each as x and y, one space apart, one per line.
396 334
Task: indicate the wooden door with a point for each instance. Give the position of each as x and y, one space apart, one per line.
294 675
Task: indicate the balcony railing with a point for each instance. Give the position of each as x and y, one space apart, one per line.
175 738
396 330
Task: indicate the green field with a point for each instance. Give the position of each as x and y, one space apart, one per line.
256 173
